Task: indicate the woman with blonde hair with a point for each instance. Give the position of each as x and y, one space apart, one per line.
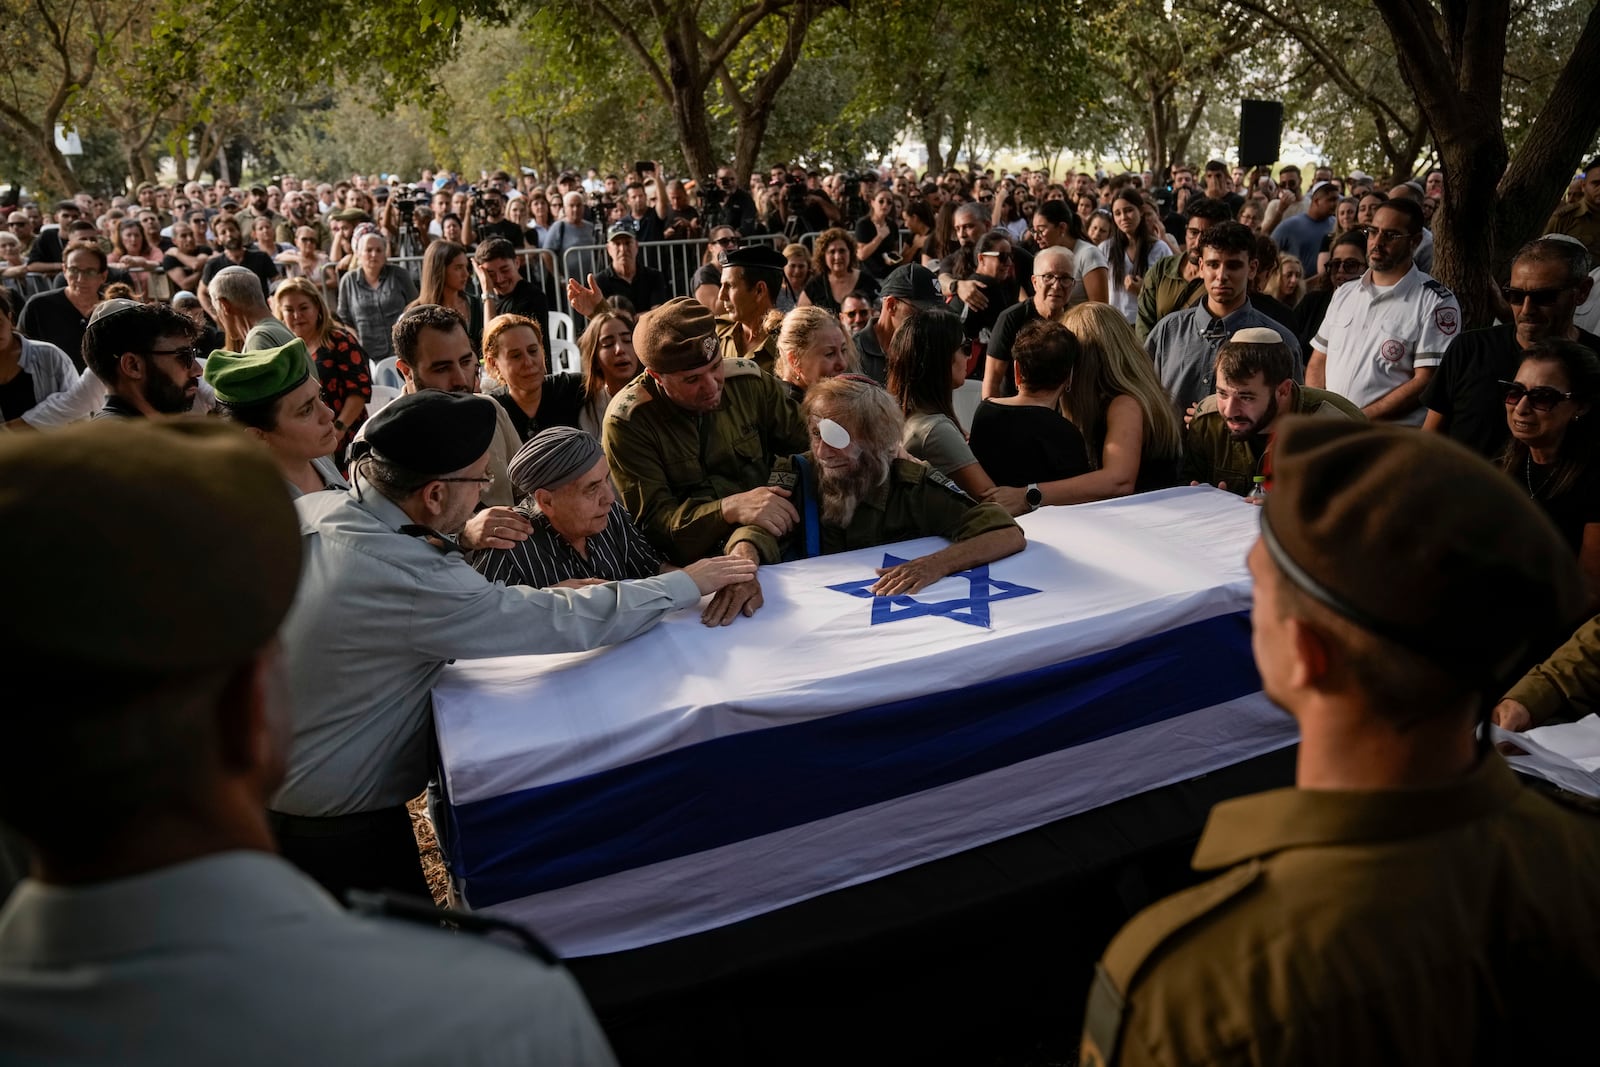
812 346
336 353
1289 285
796 276
1126 418
446 270
609 363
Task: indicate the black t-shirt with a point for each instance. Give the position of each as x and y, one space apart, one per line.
1006 327
820 290
172 262
739 212
647 290
1465 390
1572 510
1308 316
1021 444
526 299
882 261
46 247
16 396
560 401
979 325
51 317
874 361
258 263
504 228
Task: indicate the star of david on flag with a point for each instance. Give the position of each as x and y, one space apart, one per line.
972 609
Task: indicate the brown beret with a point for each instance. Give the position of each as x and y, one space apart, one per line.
679 335
152 546
1418 540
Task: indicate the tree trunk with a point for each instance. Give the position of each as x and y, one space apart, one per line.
689 83
755 113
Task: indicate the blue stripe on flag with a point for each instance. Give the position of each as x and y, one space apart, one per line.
743 786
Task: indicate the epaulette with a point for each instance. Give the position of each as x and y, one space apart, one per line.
1131 949
939 478
425 913
739 366
623 406
1438 288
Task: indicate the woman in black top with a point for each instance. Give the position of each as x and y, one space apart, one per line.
1023 440
513 351
1554 442
838 273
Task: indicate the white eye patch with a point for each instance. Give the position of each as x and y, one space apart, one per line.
831 432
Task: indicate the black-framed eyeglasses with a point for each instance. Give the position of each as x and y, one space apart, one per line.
1540 397
727 242
1539 298
486 481
185 357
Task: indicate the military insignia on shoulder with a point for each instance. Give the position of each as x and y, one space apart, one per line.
939 478
623 406
1434 285
783 479
1446 319
739 365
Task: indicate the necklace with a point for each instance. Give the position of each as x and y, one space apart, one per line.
1527 474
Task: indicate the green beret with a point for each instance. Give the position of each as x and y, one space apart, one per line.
1417 540
247 378
679 335
431 432
176 550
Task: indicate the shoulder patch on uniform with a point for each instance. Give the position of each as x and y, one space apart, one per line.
738 366
783 475
942 480
622 408
1151 928
1447 319
1434 285
1102 1021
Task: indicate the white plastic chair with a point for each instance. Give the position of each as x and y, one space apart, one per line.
564 356
381 395
560 327
387 373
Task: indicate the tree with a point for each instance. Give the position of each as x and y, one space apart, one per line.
1453 58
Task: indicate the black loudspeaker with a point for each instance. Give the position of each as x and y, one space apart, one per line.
1260 131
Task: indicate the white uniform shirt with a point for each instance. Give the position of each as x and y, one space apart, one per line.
237 958
1376 338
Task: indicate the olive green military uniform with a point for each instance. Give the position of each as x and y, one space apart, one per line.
673 468
1212 455
1457 924
1165 291
765 354
914 501
1577 220
1567 685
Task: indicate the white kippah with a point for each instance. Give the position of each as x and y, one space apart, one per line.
1256 335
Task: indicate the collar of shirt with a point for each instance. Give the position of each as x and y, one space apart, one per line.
1229 324
1409 281
227 896
1259 825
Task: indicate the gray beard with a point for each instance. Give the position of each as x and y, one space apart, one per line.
842 493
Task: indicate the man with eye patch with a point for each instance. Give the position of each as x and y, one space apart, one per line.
1549 279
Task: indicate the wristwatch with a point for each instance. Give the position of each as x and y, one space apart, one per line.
340 427
1035 497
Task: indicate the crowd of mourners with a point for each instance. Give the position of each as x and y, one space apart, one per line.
519 416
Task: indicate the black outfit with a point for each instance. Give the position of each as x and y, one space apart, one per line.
51 317
46 247
1022 444
560 401
368 850
1465 390
886 258
117 408
647 290
821 291
739 212
1572 510
874 360
16 396
1007 325
504 228
616 554
1277 311
1308 316
257 262
172 262
648 228
526 299
1155 472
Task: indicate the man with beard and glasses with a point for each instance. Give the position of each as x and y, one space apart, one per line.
145 355
233 252
691 441
1227 442
855 490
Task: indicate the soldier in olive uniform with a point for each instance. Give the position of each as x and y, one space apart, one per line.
1409 901
1564 687
751 278
855 492
690 441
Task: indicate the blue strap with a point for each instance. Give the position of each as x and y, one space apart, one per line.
810 510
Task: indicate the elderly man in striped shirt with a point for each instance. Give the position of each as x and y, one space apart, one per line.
581 534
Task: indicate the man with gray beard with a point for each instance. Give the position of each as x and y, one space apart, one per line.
853 491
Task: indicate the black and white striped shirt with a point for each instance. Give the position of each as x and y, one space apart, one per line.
616 553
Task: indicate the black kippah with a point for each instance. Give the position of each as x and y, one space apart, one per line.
432 432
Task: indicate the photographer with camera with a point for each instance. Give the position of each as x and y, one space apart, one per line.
723 203
487 219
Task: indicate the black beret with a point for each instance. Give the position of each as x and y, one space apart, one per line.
157 546
1417 540
760 256
431 432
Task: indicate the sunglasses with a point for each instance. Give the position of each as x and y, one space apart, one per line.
185 357
1540 397
1347 264
1539 298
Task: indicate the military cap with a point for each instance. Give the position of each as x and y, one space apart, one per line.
757 256
350 214
244 378
430 432
621 229
1417 540
913 282
195 545
554 457
679 335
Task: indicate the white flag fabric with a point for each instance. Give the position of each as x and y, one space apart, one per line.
695 777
